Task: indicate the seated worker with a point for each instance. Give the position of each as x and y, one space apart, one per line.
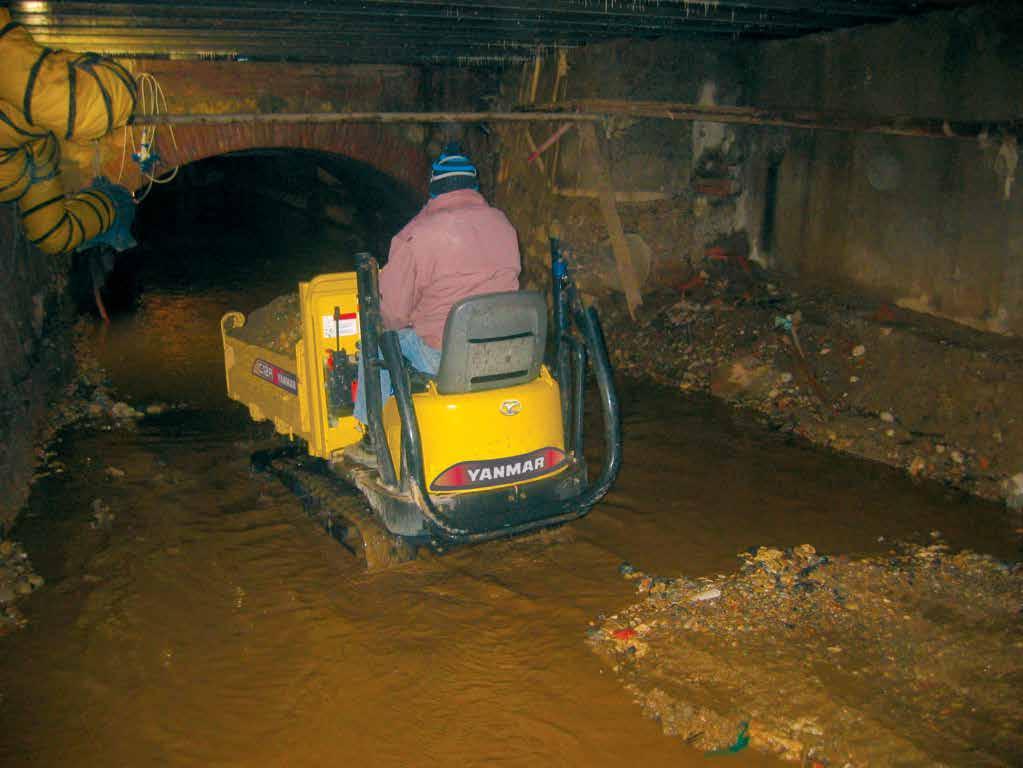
457 246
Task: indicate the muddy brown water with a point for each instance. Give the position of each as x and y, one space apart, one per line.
214 624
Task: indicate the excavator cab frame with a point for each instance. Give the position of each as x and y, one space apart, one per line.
512 509
490 447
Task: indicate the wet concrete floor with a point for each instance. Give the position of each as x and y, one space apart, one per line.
212 623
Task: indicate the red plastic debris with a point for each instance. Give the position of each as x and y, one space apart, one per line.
713 187
885 313
694 282
717 253
554 137
624 634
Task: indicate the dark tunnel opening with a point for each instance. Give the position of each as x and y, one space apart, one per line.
249 221
229 233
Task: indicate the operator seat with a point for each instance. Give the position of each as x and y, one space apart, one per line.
493 340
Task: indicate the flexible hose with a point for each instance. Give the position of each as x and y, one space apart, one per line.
16 135
45 93
55 223
78 96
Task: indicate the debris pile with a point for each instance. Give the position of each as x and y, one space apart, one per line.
16 581
859 376
89 396
912 657
277 325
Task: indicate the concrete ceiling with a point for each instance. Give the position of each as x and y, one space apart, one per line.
424 31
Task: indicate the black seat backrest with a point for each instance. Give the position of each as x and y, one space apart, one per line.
493 340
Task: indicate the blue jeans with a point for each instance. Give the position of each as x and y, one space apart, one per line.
422 356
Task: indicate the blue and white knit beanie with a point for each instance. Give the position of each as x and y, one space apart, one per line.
451 171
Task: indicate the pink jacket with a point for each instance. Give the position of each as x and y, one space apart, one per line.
457 246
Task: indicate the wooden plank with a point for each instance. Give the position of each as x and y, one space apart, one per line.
559 75
537 67
622 197
364 117
597 110
892 125
534 152
606 196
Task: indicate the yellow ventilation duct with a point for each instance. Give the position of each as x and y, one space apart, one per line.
15 162
78 96
15 175
53 222
44 94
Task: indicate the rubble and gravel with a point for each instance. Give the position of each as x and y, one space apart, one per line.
908 658
854 374
90 401
277 325
89 396
17 580
87 399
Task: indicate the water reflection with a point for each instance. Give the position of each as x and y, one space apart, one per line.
214 624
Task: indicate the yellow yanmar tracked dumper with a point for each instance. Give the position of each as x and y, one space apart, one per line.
491 446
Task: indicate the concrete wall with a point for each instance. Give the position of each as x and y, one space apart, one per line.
34 351
657 166
930 224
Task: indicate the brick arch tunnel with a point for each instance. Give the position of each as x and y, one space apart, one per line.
258 206
389 149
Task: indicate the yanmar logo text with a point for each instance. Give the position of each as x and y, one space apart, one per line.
275 375
514 469
508 471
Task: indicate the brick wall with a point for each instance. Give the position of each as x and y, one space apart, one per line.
247 87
